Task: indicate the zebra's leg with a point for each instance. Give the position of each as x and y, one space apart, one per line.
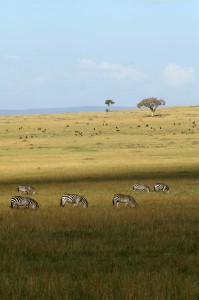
78 200
117 204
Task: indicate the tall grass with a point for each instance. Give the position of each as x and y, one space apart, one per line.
149 252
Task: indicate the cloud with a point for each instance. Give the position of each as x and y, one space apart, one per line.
176 75
37 81
5 73
122 71
86 63
117 71
11 57
42 79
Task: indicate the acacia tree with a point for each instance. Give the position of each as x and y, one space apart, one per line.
151 103
109 102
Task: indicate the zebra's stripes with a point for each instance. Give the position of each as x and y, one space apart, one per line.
74 199
141 187
161 187
121 198
26 189
26 202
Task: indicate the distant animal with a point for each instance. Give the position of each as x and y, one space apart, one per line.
77 132
141 187
26 202
74 199
26 189
161 187
121 198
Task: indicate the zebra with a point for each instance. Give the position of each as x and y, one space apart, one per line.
26 202
74 199
161 187
26 189
121 198
141 187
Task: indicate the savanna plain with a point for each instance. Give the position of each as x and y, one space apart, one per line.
101 252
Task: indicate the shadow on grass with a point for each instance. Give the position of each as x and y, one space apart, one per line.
95 177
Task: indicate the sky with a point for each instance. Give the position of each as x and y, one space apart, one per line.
66 53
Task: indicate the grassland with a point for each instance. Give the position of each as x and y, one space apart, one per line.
149 252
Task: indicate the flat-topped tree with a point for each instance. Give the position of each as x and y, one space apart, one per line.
151 103
109 102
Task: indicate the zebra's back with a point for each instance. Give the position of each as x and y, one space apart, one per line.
161 187
122 198
74 199
26 202
141 187
26 189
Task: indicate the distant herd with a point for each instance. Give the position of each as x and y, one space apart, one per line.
75 199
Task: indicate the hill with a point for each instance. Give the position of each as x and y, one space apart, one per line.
55 110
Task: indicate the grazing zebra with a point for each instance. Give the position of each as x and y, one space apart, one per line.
161 187
26 202
141 187
26 189
74 199
121 198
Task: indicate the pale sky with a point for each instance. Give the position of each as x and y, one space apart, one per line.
63 53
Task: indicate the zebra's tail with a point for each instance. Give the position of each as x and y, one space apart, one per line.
85 204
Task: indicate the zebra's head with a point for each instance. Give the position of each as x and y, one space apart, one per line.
85 204
35 206
61 203
114 202
147 189
133 204
166 189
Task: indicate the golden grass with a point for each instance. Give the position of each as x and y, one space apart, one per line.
150 252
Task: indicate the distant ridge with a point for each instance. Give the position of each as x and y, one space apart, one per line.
38 111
